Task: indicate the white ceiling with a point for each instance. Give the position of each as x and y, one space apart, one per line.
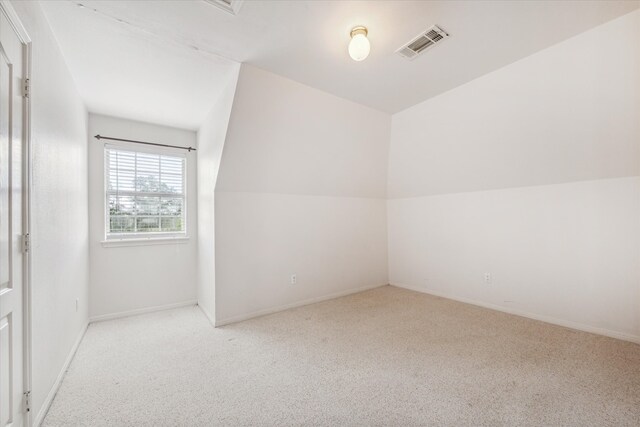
164 61
128 72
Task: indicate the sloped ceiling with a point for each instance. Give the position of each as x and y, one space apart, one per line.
166 60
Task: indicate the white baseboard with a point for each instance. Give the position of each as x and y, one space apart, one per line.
547 319
272 310
209 316
56 385
138 311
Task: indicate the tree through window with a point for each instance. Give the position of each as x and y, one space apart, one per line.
145 193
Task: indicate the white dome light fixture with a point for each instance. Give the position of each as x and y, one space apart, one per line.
359 45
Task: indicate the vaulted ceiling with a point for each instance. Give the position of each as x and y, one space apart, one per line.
166 61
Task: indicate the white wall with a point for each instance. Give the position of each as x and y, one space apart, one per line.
59 253
128 278
334 245
543 157
301 189
211 136
285 137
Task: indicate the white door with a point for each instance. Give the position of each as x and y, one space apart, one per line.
11 230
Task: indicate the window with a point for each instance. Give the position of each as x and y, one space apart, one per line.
145 193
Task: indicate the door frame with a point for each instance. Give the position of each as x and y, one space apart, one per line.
12 16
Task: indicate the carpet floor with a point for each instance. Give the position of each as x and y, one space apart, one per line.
388 356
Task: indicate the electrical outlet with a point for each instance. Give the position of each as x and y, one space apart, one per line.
487 278
294 279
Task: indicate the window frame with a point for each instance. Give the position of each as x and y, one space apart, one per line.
144 238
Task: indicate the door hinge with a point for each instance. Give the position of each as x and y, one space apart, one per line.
26 88
26 242
26 400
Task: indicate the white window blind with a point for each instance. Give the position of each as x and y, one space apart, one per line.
145 193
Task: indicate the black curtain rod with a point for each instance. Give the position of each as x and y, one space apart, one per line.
145 143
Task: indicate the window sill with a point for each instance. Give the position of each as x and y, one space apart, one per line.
145 241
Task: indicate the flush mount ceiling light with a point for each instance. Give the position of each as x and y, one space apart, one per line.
359 45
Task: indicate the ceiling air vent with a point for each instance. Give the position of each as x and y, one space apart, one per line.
422 42
229 6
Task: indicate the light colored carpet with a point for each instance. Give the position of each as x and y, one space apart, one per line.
383 357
